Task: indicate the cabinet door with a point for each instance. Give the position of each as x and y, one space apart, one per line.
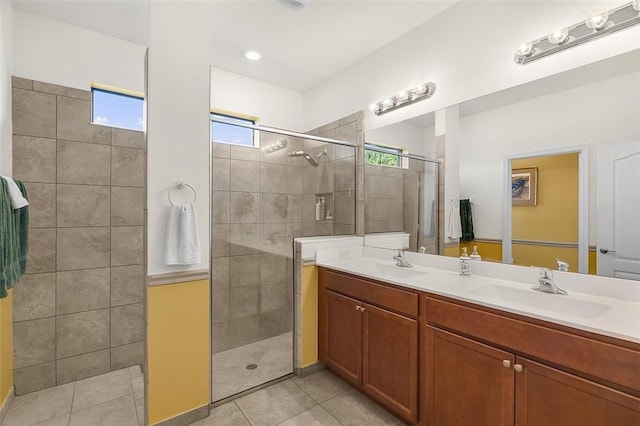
546 396
468 383
341 338
390 360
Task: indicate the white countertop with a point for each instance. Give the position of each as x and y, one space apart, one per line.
608 314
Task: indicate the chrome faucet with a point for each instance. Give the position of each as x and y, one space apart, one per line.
401 260
546 283
562 265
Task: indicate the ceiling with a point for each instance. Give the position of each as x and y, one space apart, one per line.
299 48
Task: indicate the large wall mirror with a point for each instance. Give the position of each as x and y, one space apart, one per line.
571 142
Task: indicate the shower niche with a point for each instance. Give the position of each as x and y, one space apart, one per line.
324 207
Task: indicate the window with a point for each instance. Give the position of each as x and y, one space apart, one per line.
230 134
383 155
114 108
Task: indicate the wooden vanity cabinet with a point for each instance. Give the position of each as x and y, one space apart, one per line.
487 376
369 337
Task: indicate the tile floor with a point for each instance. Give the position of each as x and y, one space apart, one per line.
111 399
320 399
272 357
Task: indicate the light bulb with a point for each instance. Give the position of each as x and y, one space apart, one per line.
252 55
597 20
388 103
559 36
525 49
402 96
421 89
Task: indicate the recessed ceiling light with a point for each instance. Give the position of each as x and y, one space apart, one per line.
252 55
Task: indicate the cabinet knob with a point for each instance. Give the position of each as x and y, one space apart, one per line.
506 363
518 368
357 307
362 309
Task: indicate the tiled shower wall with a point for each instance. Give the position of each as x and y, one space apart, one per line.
392 202
261 201
78 311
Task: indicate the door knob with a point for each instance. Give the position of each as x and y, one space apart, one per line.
605 250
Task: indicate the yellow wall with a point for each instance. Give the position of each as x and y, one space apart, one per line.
6 347
178 334
452 251
309 315
528 254
555 217
488 250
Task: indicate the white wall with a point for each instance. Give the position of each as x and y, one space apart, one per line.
6 60
275 106
404 135
596 114
178 121
467 50
59 53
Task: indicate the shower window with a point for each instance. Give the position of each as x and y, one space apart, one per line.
230 134
116 107
382 155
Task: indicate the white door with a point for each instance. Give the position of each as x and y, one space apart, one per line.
618 218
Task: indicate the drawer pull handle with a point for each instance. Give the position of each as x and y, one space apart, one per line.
518 368
506 363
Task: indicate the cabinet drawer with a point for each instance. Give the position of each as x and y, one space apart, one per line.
615 364
394 299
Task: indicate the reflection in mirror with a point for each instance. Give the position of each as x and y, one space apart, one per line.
400 204
593 108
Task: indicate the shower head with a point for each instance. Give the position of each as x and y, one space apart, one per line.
313 161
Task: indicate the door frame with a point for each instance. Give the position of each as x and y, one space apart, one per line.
583 201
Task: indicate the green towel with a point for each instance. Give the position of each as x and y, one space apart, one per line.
466 221
14 239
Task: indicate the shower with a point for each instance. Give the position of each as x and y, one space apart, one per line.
309 158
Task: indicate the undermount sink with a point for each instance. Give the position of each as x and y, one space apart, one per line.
396 271
545 301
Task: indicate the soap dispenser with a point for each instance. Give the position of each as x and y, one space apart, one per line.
465 264
474 254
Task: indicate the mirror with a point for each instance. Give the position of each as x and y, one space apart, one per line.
593 109
401 187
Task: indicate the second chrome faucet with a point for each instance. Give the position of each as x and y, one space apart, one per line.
401 260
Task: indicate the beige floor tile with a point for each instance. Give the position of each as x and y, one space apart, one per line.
138 387
58 421
317 416
225 415
103 388
354 409
117 412
321 386
140 410
223 390
40 406
275 404
135 371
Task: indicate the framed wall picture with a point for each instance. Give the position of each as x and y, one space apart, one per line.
524 183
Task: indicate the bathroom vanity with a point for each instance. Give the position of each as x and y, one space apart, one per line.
426 350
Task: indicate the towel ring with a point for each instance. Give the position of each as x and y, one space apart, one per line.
181 185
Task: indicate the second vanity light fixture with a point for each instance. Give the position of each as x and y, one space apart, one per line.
407 97
596 25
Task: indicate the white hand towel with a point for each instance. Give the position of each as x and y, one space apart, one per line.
182 240
17 200
455 230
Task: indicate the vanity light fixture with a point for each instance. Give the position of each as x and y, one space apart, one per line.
596 25
406 97
276 146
